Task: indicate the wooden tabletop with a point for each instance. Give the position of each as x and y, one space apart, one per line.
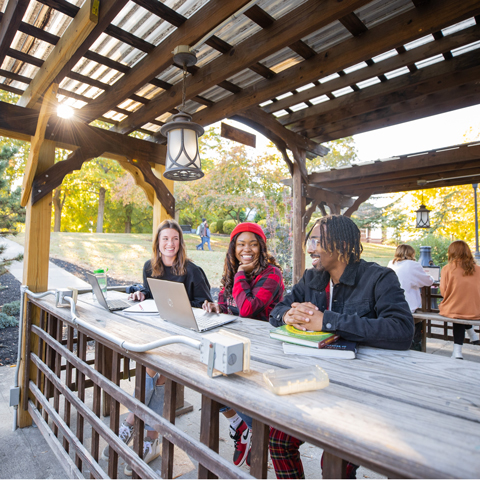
400 413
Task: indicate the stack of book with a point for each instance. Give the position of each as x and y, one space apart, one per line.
313 344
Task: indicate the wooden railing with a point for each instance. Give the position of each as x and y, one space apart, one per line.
58 388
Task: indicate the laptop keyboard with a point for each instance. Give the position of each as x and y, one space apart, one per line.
118 304
206 320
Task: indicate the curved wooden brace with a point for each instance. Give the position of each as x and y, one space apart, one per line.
139 179
53 177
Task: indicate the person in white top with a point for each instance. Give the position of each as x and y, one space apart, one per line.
411 275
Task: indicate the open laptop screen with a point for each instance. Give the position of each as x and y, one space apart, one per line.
434 272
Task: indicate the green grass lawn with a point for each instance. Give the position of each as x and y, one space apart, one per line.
125 254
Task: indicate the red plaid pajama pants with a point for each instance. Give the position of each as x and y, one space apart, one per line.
285 455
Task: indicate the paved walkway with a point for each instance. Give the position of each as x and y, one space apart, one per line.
57 277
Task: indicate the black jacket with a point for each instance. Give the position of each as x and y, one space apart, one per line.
368 306
195 281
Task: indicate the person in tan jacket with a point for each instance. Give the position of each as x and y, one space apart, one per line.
460 288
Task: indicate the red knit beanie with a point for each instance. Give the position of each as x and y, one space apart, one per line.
248 227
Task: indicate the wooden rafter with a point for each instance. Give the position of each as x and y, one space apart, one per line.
420 107
326 196
428 80
192 30
402 29
76 33
443 45
11 20
285 31
48 108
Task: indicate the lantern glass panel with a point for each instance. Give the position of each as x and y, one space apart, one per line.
190 143
174 144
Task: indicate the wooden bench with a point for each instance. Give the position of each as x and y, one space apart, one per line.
433 320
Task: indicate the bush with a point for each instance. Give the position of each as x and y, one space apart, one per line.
220 226
439 248
7 321
213 227
12 308
228 226
262 223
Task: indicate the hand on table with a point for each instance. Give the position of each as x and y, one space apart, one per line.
211 307
137 296
304 316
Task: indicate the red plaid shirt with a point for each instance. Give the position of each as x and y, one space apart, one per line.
254 299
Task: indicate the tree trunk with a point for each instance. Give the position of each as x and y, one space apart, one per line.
128 218
101 209
58 205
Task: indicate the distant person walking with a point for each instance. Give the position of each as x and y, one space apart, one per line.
412 277
202 231
460 288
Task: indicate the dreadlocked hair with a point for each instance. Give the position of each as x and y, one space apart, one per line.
179 266
231 264
339 234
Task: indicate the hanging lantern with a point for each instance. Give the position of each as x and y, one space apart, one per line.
423 217
183 157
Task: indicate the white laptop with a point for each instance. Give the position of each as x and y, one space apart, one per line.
111 305
174 306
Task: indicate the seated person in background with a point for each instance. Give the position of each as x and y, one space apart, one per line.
252 285
460 288
169 262
342 294
412 277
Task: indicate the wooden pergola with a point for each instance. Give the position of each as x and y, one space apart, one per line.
299 72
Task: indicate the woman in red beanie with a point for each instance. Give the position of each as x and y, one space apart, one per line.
252 285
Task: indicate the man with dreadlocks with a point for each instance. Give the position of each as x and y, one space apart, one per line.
361 301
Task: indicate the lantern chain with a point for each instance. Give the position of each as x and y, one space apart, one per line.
184 90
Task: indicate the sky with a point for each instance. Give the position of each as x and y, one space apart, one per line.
422 135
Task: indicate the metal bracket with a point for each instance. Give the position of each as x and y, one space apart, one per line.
211 359
304 190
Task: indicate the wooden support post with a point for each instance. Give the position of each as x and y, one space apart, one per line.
159 212
209 426
299 204
35 264
333 466
259 466
169 415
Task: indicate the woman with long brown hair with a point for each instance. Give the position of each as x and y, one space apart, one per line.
460 288
169 262
252 285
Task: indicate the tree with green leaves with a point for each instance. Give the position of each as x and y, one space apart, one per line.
11 212
342 153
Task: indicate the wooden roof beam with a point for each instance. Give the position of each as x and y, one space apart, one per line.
192 30
420 107
21 123
428 80
442 157
73 37
285 31
11 20
292 139
445 44
321 195
390 34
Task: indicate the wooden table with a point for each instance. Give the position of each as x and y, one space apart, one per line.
404 414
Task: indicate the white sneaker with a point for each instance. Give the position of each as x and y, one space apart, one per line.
473 336
125 434
151 450
457 352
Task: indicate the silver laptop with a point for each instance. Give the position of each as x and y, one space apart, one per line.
111 305
174 306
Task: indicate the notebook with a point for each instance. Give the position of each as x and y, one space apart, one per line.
111 305
174 306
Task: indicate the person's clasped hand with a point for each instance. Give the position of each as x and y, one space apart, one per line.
211 307
304 316
137 296
248 267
